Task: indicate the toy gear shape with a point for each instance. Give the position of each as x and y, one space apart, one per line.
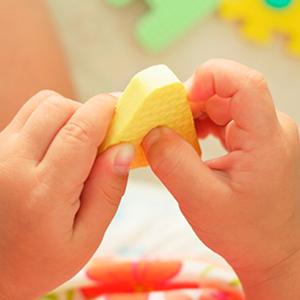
261 18
166 20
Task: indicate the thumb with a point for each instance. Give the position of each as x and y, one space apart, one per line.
179 167
102 193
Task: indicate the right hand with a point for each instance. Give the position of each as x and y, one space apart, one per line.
245 205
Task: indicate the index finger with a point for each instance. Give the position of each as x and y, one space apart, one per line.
73 150
251 106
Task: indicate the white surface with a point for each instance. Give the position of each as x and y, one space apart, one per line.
149 222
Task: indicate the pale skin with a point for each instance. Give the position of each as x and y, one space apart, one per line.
245 205
56 197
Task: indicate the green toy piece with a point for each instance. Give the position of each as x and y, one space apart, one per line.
69 295
167 20
119 3
279 3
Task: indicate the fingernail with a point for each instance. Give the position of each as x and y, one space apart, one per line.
124 158
117 94
189 82
152 137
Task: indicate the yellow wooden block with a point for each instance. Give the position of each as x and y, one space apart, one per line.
154 97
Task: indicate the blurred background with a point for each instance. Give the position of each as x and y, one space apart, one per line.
104 54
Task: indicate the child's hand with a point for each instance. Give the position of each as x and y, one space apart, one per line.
56 198
245 205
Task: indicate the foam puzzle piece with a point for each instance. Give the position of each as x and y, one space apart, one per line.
262 18
154 97
166 20
119 3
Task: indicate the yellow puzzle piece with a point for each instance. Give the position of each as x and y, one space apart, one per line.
154 97
261 19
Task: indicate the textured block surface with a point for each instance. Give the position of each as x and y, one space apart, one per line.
154 97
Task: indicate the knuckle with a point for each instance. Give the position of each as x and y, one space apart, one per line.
112 194
42 96
46 94
291 129
74 132
287 122
58 102
255 78
104 99
207 65
212 62
169 160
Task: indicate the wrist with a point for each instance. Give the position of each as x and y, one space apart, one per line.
277 283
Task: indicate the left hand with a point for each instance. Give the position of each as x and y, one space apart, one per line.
57 199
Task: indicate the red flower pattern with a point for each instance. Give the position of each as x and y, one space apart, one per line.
142 277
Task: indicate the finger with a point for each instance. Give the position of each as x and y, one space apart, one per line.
211 117
291 133
102 193
44 123
28 108
216 108
174 161
251 106
205 127
73 151
117 94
